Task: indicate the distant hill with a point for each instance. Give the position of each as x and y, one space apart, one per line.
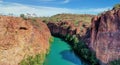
75 18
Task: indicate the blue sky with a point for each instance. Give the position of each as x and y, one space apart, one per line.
52 7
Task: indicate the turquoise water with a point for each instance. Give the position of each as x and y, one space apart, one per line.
61 54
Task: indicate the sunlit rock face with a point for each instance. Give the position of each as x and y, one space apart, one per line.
105 36
20 38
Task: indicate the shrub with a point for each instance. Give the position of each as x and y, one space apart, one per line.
51 39
71 38
23 16
33 60
83 51
33 19
67 37
117 6
35 22
115 62
75 40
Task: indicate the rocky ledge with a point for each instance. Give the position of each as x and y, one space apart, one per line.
20 38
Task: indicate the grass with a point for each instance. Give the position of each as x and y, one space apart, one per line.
75 18
34 22
33 60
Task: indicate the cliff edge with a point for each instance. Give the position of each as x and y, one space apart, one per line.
20 38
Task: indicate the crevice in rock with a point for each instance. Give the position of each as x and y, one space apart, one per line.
23 28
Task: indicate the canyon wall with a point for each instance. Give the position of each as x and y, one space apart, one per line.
20 38
105 36
63 28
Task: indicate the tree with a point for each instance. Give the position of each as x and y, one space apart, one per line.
51 39
22 15
75 40
115 62
67 37
117 6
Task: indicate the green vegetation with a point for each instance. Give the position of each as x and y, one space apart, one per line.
115 62
23 16
82 50
33 60
72 38
33 19
51 39
75 18
35 22
117 6
37 59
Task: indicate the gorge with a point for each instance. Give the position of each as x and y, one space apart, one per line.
102 37
27 41
61 52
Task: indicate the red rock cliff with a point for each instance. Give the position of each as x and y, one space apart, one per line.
66 27
105 36
19 38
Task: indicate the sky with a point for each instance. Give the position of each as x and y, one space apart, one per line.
52 7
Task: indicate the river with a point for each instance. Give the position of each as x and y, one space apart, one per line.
61 54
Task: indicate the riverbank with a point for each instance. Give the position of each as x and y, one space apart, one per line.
70 33
61 53
80 49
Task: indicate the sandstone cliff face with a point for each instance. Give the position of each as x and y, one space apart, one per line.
19 38
105 36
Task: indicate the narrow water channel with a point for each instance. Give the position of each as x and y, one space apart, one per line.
61 54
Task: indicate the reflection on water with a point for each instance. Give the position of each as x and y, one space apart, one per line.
61 54
70 56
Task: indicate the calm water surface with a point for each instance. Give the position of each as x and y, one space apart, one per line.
61 54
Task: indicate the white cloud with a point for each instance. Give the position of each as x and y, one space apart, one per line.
17 9
56 1
66 1
39 10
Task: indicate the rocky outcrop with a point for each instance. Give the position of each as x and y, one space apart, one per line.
66 27
20 38
105 36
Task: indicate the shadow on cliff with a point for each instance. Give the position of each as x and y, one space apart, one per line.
71 57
